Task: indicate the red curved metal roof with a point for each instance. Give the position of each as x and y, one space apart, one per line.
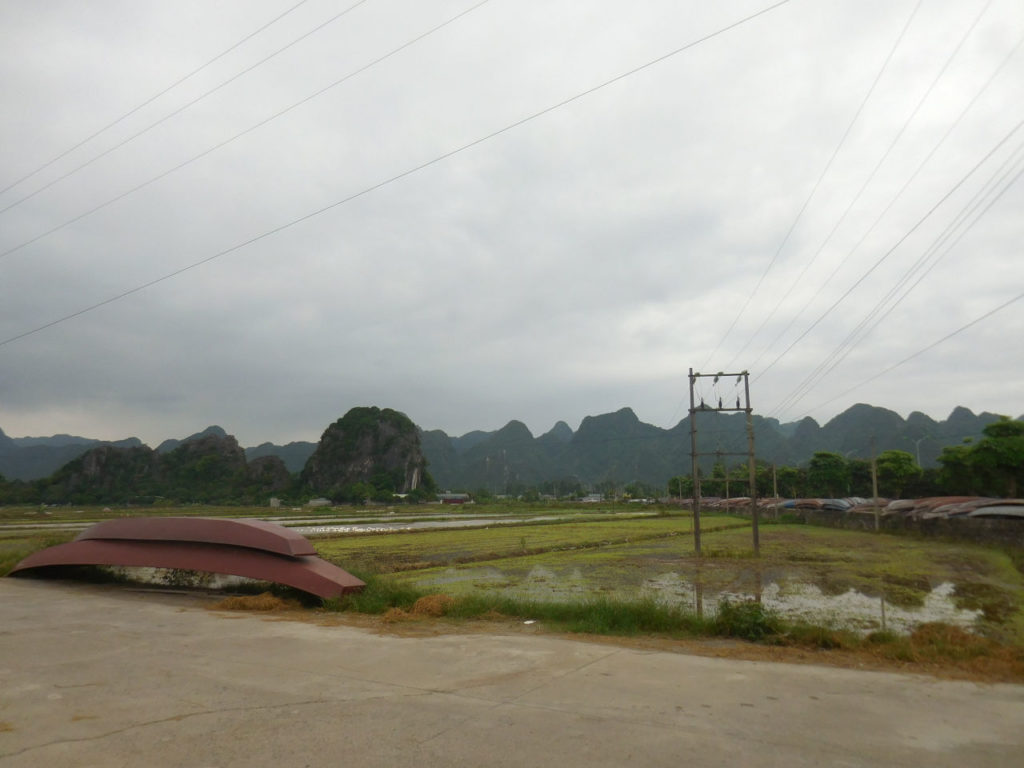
252 549
255 534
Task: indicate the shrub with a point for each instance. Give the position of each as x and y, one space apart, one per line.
746 619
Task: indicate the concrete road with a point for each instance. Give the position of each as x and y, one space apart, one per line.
103 676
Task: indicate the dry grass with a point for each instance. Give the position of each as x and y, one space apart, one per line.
262 602
428 606
432 605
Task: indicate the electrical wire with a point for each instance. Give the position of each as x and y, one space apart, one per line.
920 352
250 129
899 242
933 254
182 108
415 169
817 184
793 284
875 316
151 99
895 198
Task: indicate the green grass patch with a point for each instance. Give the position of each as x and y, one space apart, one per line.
453 546
14 549
380 594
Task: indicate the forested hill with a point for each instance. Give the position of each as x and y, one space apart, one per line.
614 447
619 448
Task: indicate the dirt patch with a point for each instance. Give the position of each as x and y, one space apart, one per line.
262 602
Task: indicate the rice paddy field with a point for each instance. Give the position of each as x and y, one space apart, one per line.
615 555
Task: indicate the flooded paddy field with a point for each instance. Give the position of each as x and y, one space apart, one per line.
314 521
828 577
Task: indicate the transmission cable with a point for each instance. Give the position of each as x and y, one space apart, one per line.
872 319
185 106
415 169
920 352
817 184
895 198
885 156
899 242
875 316
239 135
151 99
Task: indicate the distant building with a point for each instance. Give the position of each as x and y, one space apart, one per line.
592 498
318 503
454 498
275 502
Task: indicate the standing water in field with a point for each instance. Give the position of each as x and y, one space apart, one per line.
794 600
805 602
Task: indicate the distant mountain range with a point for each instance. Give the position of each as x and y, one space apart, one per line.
615 447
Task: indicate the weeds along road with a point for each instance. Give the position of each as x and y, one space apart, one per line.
102 675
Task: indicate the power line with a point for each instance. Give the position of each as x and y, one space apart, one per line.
182 108
415 169
889 252
151 99
920 352
872 319
250 129
874 171
949 130
821 177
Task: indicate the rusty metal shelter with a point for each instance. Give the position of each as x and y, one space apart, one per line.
249 548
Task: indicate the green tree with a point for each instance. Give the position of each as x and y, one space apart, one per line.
681 486
895 470
828 474
792 481
860 477
955 471
998 458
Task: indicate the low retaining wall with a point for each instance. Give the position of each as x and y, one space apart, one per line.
978 530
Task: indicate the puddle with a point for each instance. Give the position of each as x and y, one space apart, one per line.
794 600
317 530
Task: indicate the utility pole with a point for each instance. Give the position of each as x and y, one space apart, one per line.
874 480
743 376
696 473
750 466
775 493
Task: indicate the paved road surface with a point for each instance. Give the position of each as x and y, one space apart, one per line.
103 676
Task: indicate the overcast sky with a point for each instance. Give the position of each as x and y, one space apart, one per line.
710 210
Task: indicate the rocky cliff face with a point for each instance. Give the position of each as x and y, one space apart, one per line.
105 472
373 446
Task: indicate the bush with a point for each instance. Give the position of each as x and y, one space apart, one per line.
746 619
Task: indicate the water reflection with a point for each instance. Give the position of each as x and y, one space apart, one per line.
794 600
850 610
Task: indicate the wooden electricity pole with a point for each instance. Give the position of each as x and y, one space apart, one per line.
695 455
874 480
751 469
696 473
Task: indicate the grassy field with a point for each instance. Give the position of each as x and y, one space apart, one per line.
829 575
